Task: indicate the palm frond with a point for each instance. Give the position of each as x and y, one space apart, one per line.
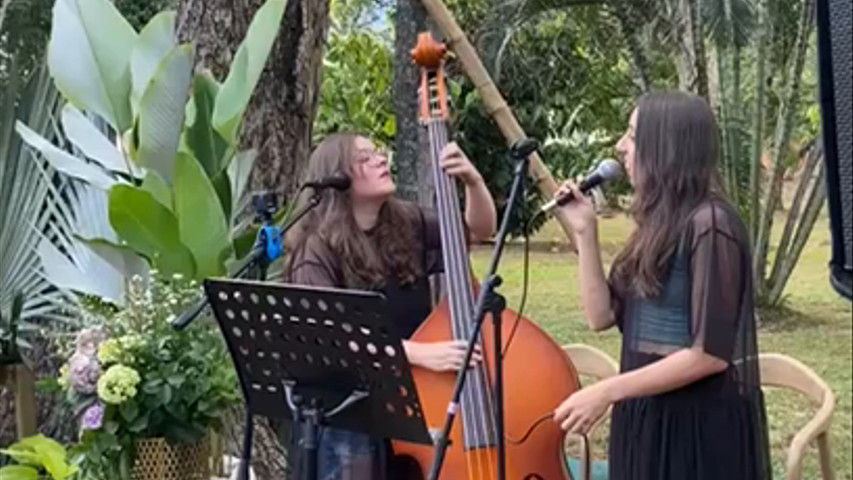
26 205
729 22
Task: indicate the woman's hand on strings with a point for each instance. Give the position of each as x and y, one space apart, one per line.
441 356
456 164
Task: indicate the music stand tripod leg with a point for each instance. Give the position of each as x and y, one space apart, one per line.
246 456
496 305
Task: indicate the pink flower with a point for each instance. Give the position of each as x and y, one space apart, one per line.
88 341
93 417
83 373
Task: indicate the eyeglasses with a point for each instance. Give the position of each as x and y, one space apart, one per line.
363 157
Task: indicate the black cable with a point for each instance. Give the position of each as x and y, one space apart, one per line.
525 280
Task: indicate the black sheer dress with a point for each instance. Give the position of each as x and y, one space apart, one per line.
713 429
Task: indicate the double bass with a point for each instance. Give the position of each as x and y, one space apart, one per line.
537 373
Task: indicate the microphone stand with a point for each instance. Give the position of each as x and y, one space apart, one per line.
493 302
267 248
263 254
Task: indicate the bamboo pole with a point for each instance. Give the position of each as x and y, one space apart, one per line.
495 104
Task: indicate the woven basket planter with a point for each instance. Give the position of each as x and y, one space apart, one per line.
157 460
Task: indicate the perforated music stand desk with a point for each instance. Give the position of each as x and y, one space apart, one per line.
324 344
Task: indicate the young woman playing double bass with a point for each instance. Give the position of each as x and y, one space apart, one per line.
365 238
687 404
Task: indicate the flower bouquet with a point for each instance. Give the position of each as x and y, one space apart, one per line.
133 378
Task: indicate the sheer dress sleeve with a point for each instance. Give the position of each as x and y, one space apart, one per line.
718 280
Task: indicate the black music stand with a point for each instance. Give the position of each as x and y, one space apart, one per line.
319 356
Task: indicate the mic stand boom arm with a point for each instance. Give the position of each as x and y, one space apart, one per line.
258 257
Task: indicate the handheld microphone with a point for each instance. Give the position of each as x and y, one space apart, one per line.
607 170
337 182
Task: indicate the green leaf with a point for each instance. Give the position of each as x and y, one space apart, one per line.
202 223
64 161
156 186
18 472
111 427
139 424
165 394
129 410
24 456
149 228
124 464
122 258
152 386
244 242
222 185
239 171
161 112
89 58
180 433
156 40
203 140
49 454
246 68
176 380
91 141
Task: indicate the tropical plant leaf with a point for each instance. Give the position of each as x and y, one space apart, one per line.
89 58
202 223
91 141
25 205
19 472
246 69
67 261
121 257
239 171
157 187
206 144
65 162
222 185
149 228
156 40
161 112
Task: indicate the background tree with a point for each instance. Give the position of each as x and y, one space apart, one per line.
412 163
278 124
280 120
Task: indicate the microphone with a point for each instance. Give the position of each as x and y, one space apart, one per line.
606 171
338 182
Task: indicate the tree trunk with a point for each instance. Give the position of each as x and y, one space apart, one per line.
795 213
413 174
279 120
631 26
758 122
783 132
722 111
690 59
733 125
817 198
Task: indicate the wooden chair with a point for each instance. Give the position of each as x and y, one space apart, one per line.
781 371
592 362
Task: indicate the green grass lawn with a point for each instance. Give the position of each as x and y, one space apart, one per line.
814 326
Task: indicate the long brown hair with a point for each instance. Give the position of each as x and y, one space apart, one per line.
675 170
332 223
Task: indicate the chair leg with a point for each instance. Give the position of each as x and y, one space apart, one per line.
825 456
